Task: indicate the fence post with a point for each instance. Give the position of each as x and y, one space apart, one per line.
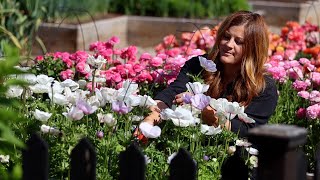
279 156
35 159
132 163
83 161
317 164
182 166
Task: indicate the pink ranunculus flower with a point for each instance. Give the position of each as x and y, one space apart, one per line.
114 40
96 46
67 74
304 61
143 77
106 53
315 77
290 54
39 58
295 73
301 85
162 55
156 62
304 94
173 52
301 113
276 58
145 56
313 111
116 77
83 68
138 67
79 56
278 73
314 96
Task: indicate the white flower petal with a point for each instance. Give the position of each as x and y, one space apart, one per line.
149 130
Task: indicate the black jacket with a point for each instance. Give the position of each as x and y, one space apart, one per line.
260 108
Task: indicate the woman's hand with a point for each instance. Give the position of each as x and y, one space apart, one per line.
209 117
154 116
179 98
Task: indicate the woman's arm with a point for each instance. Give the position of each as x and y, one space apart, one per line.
167 95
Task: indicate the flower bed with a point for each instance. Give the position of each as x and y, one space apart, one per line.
105 93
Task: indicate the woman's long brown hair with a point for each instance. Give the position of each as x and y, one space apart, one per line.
250 80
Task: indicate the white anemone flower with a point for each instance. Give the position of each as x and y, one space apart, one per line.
210 130
128 88
197 87
82 83
243 142
130 100
253 161
14 91
136 118
22 68
44 79
147 159
4 158
207 64
147 101
74 96
41 115
252 151
231 149
149 130
245 118
30 78
39 88
74 113
107 118
49 130
180 117
55 87
195 111
70 83
59 99
109 94
94 101
96 62
100 97
226 110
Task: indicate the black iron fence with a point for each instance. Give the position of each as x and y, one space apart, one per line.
280 158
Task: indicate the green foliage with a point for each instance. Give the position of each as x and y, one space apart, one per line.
9 114
288 104
18 23
179 8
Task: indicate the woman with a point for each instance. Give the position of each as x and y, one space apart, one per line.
240 52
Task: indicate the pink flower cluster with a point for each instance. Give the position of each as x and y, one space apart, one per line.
302 72
122 64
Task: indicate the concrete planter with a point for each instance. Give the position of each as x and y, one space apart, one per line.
132 30
278 12
149 31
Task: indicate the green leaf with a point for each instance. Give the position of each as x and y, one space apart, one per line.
11 36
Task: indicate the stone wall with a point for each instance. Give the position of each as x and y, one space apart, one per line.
278 12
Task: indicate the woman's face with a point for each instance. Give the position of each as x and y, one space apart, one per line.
231 45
